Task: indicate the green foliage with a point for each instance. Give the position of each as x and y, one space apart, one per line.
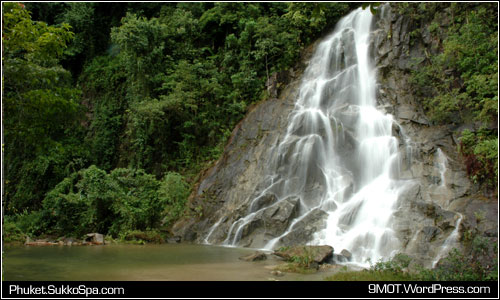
80 16
28 224
283 248
369 275
42 131
142 47
480 264
155 88
480 150
302 261
142 237
80 203
395 269
175 192
191 72
309 19
107 107
306 259
11 232
294 267
92 200
398 264
139 205
34 42
460 84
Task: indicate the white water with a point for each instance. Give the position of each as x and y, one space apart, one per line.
449 242
338 154
442 193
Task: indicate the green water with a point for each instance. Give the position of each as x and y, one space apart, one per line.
135 262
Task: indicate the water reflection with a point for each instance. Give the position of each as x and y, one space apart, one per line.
177 262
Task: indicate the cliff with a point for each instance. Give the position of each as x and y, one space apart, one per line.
441 210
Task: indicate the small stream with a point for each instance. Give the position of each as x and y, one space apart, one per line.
166 262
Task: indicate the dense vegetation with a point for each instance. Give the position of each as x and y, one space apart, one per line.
111 109
459 84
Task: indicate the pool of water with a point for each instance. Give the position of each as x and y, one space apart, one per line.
177 262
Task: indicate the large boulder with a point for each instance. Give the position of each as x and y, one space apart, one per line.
95 238
257 256
317 254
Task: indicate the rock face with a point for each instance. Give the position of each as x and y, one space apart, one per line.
442 196
441 200
226 190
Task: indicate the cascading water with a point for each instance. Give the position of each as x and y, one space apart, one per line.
338 154
450 241
442 194
362 222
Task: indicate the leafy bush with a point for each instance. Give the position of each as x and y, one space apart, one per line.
142 237
480 150
398 264
175 192
42 132
463 78
123 200
460 84
395 269
11 232
480 263
80 203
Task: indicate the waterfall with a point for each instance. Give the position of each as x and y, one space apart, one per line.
449 242
338 155
442 194
361 222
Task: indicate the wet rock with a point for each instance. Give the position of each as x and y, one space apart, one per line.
174 240
303 230
287 209
445 220
276 218
345 253
318 254
426 211
338 258
95 238
257 256
430 232
276 80
251 226
40 242
265 200
69 241
228 188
